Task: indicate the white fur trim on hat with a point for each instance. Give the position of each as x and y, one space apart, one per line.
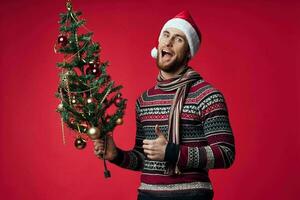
154 52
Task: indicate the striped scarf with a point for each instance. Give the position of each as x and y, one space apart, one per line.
179 83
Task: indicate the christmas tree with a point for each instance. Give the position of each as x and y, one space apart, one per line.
91 104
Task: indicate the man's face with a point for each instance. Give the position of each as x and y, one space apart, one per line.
173 50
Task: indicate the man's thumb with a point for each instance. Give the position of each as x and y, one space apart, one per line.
158 132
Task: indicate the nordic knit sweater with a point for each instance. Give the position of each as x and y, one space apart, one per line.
206 139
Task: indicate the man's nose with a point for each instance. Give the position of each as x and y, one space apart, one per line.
169 41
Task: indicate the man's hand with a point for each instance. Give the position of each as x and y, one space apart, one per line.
111 150
155 149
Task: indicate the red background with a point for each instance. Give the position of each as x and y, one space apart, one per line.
250 51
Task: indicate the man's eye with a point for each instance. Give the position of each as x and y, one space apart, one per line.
178 39
166 35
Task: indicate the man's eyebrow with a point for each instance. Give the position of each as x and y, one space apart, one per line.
180 36
177 35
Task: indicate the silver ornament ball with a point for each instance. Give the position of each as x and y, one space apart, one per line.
90 100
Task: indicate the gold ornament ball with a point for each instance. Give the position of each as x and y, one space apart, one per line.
93 133
60 107
80 143
119 121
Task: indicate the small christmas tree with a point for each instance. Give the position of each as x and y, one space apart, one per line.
91 104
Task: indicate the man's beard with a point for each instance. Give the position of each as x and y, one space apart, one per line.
173 66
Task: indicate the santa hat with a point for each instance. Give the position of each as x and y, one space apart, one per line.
184 22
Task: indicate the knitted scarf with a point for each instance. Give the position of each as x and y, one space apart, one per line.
180 83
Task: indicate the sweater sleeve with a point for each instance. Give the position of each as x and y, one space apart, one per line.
220 151
133 159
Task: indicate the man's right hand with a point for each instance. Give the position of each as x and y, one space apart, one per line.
111 149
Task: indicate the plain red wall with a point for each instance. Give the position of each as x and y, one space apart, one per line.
250 52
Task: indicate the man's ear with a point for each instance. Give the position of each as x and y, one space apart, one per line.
188 57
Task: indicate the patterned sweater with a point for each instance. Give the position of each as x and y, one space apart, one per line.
206 140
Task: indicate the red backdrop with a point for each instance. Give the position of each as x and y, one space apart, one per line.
250 51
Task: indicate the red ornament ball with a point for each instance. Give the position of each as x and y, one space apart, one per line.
118 102
93 70
94 64
107 120
62 40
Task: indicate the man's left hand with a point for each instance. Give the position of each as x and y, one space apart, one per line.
155 149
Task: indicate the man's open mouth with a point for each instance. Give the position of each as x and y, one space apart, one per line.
165 52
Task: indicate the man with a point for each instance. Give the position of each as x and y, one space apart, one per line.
183 128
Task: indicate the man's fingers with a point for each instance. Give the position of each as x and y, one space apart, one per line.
98 142
147 146
148 142
103 148
99 153
151 157
99 156
100 147
148 152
